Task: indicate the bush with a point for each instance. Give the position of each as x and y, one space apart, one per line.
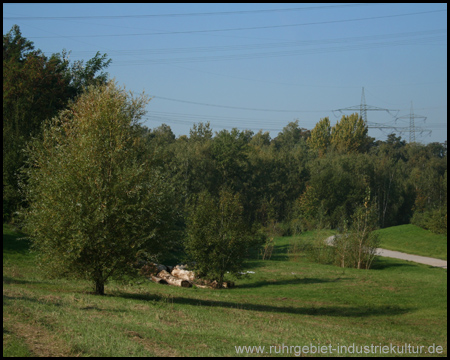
354 247
316 250
433 220
218 239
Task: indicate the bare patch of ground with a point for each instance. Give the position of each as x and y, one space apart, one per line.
39 340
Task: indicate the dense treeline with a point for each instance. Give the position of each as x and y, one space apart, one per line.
289 181
301 179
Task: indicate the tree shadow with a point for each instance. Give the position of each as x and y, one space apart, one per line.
16 243
386 263
280 253
10 280
8 298
339 311
295 281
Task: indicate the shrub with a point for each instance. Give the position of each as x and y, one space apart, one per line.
218 239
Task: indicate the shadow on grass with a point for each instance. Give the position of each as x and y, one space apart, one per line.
8 298
15 243
10 280
339 311
280 253
294 281
386 263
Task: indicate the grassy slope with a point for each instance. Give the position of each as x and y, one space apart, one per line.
288 300
414 240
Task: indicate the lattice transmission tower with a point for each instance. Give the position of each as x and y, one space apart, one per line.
412 124
363 108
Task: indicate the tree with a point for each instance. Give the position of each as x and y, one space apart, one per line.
35 88
365 240
320 136
349 135
291 135
95 200
218 239
230 153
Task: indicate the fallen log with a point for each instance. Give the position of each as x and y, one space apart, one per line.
158 280
172 280
183 274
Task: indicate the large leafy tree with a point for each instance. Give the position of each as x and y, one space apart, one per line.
95 200
291 135
320 136
35 88
350 135
229 150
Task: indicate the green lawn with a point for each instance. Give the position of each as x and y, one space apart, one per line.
414 240
286 301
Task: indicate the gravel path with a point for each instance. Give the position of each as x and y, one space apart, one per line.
403 256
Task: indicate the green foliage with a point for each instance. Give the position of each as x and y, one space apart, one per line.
429 179
229 150
291 135
218 239
355 245
433 220
318 250
35 88
349 135
336 184
356 248
95 200
320 136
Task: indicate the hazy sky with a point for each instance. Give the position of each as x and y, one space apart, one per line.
260 66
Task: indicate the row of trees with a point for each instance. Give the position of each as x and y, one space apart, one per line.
98 190
290 180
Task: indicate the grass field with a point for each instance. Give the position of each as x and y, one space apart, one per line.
287 301
414 240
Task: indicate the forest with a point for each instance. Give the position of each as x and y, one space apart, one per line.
299 180
302 179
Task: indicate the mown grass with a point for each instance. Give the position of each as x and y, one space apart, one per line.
287 301
414 240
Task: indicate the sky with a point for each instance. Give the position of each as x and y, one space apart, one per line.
261 66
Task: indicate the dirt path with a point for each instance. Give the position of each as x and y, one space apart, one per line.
403 256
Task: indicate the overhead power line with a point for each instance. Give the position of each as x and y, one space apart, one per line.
268 54
237 12
237 107
244 28
416 36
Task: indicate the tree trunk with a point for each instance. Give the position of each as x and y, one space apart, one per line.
99 287
172 280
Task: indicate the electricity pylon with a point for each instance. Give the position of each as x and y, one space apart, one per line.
364 108
412 124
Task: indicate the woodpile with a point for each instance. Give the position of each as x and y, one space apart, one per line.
173 280
178 276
